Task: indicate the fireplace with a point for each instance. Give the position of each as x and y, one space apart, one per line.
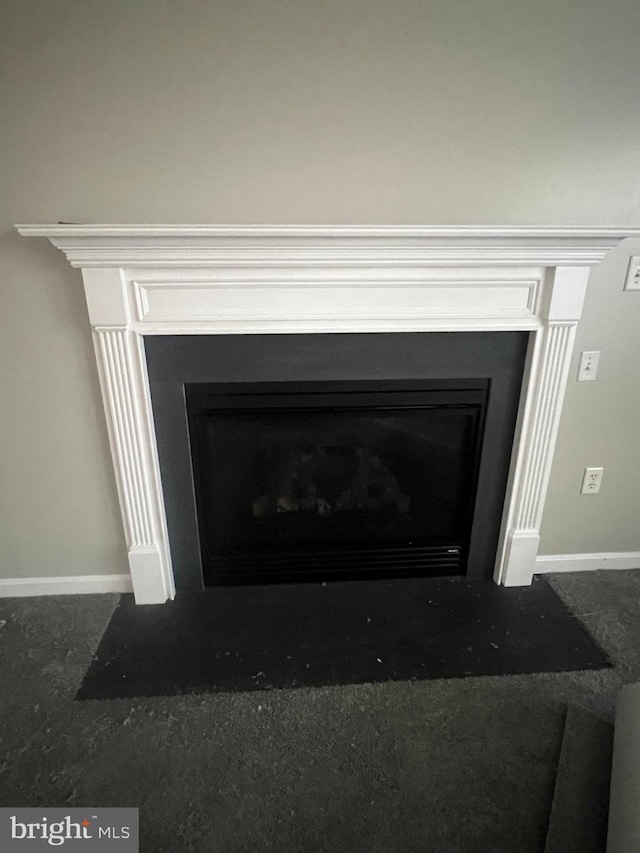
288 458
334 481
212 281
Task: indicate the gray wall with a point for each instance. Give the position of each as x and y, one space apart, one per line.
333 111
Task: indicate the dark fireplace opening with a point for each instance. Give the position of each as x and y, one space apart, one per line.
334 481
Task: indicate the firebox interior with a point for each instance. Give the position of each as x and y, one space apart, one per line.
311 481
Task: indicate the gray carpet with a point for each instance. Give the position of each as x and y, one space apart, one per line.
458 765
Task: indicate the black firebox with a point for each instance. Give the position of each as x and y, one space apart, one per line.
341 480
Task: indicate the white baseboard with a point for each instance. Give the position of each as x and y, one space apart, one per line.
587 562
68 585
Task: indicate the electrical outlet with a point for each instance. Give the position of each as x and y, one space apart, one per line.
588 369
591 481
632 281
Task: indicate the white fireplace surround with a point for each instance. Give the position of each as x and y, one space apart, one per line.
214 280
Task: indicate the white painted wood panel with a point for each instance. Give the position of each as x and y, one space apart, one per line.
125 389
197 302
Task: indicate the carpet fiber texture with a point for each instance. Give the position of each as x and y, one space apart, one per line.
443 766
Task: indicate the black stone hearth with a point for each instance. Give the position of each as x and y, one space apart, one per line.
307 635
322 457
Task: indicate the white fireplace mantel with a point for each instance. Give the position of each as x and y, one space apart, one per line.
204 280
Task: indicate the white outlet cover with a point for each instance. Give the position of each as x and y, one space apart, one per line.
632 281
591 481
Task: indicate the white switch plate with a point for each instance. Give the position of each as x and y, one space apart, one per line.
632 281
591 481
588 369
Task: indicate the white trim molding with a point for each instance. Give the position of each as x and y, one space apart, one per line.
66 585
223 279
619 560
242 245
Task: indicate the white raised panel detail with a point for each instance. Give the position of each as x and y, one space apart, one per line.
549 369
105 293
235 302
112 347
556 357
124 383
161 279
520 556
569 291
152 580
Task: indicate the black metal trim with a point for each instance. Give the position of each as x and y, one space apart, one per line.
389 357
344 564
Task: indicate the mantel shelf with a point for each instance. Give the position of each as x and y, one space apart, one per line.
318 245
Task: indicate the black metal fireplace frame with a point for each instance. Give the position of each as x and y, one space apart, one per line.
174 361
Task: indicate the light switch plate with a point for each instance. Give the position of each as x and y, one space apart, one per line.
632 281
588 369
